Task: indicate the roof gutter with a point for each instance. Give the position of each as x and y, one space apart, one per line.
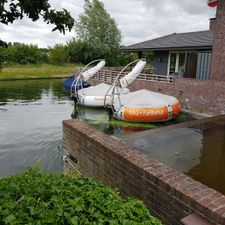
167 49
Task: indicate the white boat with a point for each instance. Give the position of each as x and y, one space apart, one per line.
99 95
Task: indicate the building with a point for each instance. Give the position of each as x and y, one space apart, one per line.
199 55
184 54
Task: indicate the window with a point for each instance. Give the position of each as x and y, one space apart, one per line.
176 63
172 63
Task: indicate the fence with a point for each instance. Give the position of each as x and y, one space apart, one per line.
110 76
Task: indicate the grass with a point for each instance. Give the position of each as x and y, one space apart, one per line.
37 71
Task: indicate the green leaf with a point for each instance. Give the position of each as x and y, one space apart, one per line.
74 221
10 219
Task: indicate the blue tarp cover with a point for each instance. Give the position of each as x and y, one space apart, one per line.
69 81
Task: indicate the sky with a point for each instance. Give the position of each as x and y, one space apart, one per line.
138 20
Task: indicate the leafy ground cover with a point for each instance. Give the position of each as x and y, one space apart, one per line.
37 71
33 197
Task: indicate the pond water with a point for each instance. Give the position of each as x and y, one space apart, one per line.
197 150
31 114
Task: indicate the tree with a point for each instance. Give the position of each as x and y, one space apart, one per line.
34 9
58 54
99 31
24 54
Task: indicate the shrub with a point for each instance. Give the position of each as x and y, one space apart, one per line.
2 57
125 58
58 54
44 198
24 54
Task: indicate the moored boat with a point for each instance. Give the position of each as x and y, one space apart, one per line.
146 106
99 95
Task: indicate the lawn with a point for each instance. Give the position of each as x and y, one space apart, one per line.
37 71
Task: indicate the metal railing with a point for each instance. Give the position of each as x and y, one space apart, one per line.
110 76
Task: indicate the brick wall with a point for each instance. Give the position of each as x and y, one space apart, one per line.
212 23
218 54
170 195
203 96
195 95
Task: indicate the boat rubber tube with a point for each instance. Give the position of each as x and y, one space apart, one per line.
130 77
146 106
149 114
92 71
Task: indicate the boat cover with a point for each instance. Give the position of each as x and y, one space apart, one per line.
69 81
100 90
92 71
130 77
144 99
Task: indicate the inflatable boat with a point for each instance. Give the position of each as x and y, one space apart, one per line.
75 83
100 95
146 106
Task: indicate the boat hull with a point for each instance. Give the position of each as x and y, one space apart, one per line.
145 106
149 115
95 96
93 101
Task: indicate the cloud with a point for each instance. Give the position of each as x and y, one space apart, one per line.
138 20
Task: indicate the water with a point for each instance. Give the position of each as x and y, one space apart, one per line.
31 114
198 151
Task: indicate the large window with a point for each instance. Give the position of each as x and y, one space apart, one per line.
176 63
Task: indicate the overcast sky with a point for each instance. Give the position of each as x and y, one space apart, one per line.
138 20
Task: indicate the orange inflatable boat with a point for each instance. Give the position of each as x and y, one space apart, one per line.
146 106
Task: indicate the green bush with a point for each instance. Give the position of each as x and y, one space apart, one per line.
125 58
23 54
2 57
58 54
43 198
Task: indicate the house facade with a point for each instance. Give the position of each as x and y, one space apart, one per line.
186 55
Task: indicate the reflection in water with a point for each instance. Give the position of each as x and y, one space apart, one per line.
211 168
99 118
176 147
31 114
198 151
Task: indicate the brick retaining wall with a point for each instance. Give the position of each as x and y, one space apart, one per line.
169 194
195 95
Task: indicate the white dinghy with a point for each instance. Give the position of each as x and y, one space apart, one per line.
99 95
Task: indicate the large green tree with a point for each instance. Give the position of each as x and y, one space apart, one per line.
99 31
